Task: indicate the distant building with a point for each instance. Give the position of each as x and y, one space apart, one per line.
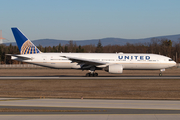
1 38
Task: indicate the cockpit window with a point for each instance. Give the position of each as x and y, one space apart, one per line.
170 60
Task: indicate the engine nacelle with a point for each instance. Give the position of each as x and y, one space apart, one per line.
114 69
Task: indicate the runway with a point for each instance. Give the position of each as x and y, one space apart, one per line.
87 78
89 109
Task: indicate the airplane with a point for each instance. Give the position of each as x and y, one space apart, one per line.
113 63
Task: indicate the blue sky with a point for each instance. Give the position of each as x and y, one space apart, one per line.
90 19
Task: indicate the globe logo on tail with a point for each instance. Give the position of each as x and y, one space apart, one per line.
29 48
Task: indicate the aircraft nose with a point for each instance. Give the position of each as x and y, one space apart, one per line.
174 63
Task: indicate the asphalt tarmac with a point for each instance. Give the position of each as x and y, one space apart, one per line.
76 110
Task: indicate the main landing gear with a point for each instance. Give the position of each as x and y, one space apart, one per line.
91 74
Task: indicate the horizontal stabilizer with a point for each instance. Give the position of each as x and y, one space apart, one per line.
20 56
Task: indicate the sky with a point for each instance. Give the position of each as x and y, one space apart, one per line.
89 19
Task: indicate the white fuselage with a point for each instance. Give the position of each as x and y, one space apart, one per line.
127 60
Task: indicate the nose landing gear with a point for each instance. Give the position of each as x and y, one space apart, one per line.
160 74
161 70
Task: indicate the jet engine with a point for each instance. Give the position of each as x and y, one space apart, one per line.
114 69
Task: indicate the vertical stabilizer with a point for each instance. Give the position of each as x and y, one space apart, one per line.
25 45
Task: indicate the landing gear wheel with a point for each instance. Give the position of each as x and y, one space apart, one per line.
95 74
160 74
88 75
91 74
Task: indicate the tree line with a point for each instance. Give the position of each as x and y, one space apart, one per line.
157 46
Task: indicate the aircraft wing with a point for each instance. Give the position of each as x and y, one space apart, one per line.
20 56
85 61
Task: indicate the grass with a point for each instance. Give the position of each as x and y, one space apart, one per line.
99 89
